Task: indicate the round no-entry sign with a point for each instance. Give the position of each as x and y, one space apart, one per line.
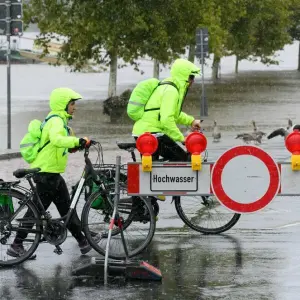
245 179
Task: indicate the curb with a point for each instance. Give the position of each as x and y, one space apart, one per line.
11 155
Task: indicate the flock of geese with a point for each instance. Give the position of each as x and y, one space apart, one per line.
256 135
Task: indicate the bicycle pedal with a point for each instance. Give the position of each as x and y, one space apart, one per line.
58 250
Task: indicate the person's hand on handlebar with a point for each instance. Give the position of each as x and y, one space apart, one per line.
196 124
83 144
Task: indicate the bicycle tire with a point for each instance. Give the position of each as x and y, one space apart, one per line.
20 196
101 250
204 230
108 187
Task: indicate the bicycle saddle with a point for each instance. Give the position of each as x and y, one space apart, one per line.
126 146
20 173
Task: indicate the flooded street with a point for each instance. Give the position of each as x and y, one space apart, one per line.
245 263
269 95
259 258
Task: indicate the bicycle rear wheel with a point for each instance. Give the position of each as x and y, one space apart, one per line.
14 220
138 228
205 214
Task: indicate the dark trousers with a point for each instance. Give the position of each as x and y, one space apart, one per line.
169 150
52 188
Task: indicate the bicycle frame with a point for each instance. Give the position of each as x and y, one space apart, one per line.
88 170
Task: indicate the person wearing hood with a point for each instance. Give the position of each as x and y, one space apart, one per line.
164 112
52 160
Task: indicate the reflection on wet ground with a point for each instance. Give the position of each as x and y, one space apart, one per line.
190 265
245 264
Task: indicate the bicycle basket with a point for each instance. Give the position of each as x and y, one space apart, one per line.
106 174
92 187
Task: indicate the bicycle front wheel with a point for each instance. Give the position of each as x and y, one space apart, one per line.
205 214
138 229
17 215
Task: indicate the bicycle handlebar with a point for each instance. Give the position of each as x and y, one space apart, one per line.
90 143
88 161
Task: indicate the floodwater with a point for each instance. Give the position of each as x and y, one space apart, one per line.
266 94
257 259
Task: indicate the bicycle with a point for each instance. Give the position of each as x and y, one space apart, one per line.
208 203
43 228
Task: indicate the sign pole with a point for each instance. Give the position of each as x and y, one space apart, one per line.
202 52
8 19
203 111
11 23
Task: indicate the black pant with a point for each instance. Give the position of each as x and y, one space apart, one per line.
169 150
52 187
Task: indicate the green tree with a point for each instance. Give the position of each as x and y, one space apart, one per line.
260 32
294 29
100 31
171 23
218 16
103 31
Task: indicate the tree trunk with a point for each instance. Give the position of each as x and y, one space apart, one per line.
299 57
156 69
237 64
192 51
112 85
215 67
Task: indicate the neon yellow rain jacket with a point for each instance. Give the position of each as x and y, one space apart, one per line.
170 102
53 158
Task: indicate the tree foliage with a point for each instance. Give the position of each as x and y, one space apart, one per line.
100 30
94 28
294 29
261 31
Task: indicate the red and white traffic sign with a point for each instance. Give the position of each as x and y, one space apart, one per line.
245 179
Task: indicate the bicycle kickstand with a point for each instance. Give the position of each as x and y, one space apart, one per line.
58 250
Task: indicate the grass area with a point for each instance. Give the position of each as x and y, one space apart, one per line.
36 56
53 60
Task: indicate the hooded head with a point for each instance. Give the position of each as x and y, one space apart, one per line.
60 98
182 69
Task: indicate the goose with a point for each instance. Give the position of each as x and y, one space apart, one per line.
282 131
248 137
216 133
255 136
257 132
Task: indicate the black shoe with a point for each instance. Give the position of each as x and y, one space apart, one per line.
17 250
85 247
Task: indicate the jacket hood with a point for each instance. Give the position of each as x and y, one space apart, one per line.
60 98
182 69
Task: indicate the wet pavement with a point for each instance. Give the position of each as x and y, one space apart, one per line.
257 259
246 263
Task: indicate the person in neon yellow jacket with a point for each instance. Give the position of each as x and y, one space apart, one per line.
52 160
164 120
54 156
